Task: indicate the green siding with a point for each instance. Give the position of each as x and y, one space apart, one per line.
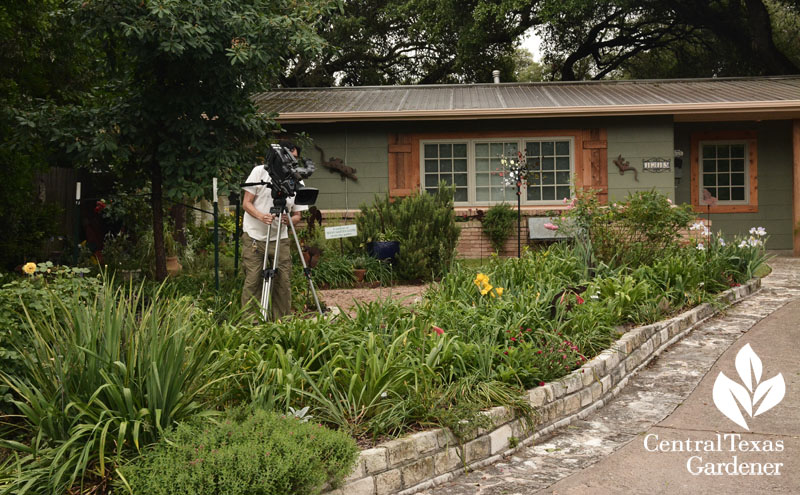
637 139
362 149
774 180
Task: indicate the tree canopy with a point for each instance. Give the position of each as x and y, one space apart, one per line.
173 105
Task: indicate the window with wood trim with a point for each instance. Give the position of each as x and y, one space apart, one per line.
473 166
725 172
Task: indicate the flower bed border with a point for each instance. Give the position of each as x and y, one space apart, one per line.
420 461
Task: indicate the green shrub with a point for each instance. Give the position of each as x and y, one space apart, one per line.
498 223
632 233
425 226
105 377
250 454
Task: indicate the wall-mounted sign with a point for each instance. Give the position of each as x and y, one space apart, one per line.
340 231
656 164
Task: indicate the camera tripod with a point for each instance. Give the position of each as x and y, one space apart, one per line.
279 210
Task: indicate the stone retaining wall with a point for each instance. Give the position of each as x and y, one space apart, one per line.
422 460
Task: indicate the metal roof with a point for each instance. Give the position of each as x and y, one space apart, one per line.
776 96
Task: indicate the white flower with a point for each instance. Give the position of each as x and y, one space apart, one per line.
700 246
721 241
743 244
706 232
754 242
759 231
697 226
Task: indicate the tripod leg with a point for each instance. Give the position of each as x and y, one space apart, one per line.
265 275
306 269
271 273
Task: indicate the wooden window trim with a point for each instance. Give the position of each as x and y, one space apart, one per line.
751 137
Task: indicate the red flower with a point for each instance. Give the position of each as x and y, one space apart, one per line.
541 384
580 299
438 330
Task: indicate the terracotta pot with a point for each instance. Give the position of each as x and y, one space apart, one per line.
173 266
359 274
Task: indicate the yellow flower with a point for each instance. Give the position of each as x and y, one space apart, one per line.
29 268
486 289
499 291
481 279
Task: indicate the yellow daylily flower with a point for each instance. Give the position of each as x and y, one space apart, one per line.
486 289
499 291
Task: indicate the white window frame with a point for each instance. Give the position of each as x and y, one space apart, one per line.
746 171
471 168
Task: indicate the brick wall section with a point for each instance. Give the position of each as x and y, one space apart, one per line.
474 244
425 459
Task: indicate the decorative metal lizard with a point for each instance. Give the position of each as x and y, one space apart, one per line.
623 165
337 165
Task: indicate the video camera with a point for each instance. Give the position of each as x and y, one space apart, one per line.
286 172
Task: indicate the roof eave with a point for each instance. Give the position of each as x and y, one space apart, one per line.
776 109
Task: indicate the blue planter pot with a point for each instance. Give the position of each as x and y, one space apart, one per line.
383 250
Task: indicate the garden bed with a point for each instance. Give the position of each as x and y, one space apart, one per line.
425 459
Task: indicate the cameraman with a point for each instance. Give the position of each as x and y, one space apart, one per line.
257 204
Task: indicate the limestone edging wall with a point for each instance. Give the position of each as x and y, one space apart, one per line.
417 462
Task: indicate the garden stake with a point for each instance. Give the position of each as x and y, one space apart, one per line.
77 223
216 233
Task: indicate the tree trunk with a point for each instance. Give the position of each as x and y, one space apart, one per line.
158 220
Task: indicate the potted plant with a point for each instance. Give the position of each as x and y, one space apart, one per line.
385 246
359 268
171 248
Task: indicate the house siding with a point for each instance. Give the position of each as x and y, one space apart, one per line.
638 139
774 180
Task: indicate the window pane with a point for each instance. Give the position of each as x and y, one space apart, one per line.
511 149
534 164
497 193
709 180
446 165
709 151
737 179
548 178
737 151
431 166
535 178
737 165
447 179
724 194
737 193
724 180
723 151
482 150
461 179
562 163
460 165
496 180
482 179
496 149
532 149
562 147
461 195
445 150
548 193
460 150
534 194
431 151
562 192
709 166
548 163
431 180
431 190
482 194
482 165
562 177
547 148
723 165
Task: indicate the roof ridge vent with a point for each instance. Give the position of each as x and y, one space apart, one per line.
496 76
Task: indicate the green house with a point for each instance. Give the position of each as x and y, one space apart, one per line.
728 146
